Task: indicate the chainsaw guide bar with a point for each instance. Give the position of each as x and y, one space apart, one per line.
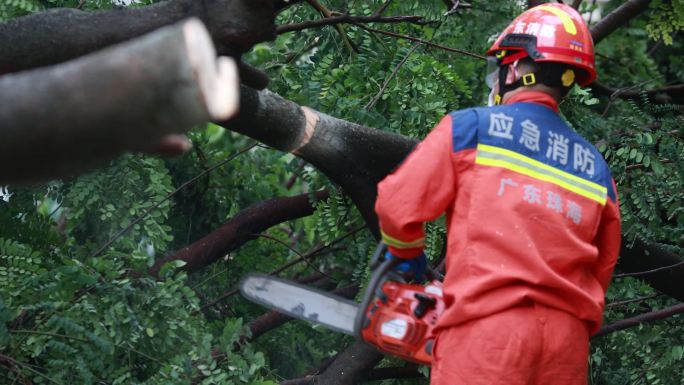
301 302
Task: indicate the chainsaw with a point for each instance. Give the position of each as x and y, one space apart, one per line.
394 316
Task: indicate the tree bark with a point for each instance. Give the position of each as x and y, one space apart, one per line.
617 18
59 35
353 364
636 321
670 94
245 226
637 257
60 120
353 156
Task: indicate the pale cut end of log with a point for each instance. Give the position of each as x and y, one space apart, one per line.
217 78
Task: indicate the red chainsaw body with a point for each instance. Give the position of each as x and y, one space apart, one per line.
402 318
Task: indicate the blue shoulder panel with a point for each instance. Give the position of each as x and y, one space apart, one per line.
538 133
464 128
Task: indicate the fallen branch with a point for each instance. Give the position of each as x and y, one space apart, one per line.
674 91
614 20
307 256
62 34
649 260
636 321
401 372
637 273
628 301
353 156
243 227
353 364
61 120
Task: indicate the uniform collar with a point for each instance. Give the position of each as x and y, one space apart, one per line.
536 97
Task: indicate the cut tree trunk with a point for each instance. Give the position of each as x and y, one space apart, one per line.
59 35
63 119
353 156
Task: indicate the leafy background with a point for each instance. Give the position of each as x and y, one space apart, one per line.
69 316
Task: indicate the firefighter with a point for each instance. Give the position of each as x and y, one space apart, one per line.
531 211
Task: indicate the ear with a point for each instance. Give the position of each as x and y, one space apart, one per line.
512 74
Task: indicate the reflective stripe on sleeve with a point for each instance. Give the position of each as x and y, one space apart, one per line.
420 242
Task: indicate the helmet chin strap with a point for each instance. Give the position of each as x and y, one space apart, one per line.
526 80
503 74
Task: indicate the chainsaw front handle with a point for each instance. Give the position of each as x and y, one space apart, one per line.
380 269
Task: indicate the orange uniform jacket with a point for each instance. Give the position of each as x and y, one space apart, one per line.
531 210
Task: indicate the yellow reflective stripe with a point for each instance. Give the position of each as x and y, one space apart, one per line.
536 163
568 24
495 156
546 178
400 244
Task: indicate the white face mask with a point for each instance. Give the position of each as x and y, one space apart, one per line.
492 79
491 98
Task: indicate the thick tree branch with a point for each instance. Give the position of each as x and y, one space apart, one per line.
674 91
348 368
61 120
638 257
59 35
240 229
310 255
353 156
401 372
628 301
636 321
617 18
281 5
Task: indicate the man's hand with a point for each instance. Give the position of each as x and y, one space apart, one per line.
169 145
413 269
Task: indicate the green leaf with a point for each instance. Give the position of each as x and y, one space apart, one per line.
169 267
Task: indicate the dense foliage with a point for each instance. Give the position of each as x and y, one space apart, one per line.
72 313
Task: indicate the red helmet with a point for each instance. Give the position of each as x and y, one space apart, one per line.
549 32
